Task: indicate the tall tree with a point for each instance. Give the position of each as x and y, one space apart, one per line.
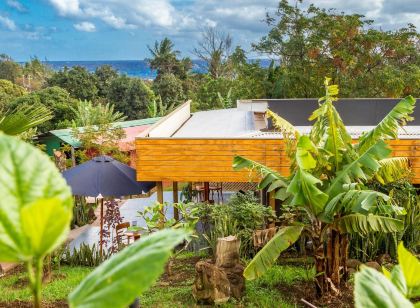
55 99
165 60
130 96
77 81
364 61
9 92
105 74
214 49
35 74
9 69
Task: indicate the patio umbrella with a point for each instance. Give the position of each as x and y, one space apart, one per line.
103 176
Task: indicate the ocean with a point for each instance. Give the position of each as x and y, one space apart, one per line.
133 68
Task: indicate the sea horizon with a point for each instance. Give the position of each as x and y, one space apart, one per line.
131 68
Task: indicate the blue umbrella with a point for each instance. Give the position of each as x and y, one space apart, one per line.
103 176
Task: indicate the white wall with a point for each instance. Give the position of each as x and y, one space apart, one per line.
167 126
252 105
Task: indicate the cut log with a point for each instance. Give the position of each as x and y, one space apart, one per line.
227 251
211 285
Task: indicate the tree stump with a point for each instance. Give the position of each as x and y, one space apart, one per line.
227 251
215 282
211 285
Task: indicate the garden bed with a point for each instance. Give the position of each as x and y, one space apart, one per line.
282 286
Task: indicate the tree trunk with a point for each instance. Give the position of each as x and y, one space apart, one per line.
330 262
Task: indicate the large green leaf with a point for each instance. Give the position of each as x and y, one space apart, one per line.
360 169
26 175
329 131
388 127
305 152
289 132
363 224
45 224
270 178
353 201
120 279
410 267
23 118
306 193
393 169
374 290
398 279
268 255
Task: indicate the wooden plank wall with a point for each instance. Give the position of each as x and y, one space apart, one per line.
210 160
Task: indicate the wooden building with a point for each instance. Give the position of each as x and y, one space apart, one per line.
200 147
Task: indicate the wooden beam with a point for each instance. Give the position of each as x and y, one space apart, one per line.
175 197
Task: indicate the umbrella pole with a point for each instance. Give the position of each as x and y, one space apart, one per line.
102 225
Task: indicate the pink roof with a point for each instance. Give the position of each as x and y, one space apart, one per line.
128 144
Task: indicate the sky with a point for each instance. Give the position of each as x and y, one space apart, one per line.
122 29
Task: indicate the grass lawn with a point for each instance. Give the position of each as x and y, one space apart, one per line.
282 286
15 287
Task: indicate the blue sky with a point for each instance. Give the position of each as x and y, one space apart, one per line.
122 29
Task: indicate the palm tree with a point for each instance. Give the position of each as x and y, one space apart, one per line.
327 185
23 119
165 60
164 57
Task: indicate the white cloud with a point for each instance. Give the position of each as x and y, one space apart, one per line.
122 14
7 23
15 4
85 26
66 7
240 17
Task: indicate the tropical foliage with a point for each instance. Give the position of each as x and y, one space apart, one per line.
23 120
390 289
35 215
35 209
86 114
328 183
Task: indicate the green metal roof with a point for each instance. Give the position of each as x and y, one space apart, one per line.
66 134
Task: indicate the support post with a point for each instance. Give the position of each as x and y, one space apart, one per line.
102 227
159 195
73 157
206 192
175 197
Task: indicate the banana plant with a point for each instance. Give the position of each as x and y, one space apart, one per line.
327 183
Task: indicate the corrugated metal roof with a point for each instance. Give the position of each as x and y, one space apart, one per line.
408 132
66 134
217 124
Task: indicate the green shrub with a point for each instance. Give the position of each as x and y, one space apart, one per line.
241 216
